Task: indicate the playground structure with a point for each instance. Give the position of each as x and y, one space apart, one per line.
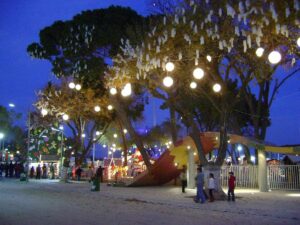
169 164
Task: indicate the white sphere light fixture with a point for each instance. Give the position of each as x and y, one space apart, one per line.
298 41
72 85
198 73
65 117
274 57
126 90
44 112
259 52
78 87
109 107
193 85
97 108
113 91
170 66
217 87
168 81
208 57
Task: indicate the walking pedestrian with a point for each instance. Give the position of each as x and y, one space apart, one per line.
44 168
38 172
231 186
31 172
183 179
211 187
200 184
52 170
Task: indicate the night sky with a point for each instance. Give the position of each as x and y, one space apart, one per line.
21 76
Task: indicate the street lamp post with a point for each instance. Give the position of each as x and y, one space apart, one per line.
1 144
61 128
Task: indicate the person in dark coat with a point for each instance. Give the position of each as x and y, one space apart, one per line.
6 169
11 169
31 172
44 168
99 173
38 172
78 173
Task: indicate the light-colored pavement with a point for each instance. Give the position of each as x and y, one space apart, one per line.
51 202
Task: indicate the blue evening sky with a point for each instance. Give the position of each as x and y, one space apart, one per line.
21 76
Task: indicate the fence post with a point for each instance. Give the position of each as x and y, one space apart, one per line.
262 171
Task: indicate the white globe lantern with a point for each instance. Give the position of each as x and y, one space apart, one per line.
170 66
193 85
198 73
168 81
208 57
44 112
109 107
65 117
78 87
259 52
98 133
97 108
217 87
113 91
298 41
125 131
72 85
274 57
126 90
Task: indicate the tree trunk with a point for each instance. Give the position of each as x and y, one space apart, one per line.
125 149
137 139
173 124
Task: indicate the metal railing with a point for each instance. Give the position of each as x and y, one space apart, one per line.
280 177
246 176
284 177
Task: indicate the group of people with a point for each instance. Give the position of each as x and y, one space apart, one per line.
201 194
42 172
91 173
12 169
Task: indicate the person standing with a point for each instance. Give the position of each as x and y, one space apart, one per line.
183 178
90 173
52 170
38 172
99 173
200 184
78 173
44 168
231 186
211 187
31 172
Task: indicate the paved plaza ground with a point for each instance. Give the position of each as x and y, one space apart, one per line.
51 202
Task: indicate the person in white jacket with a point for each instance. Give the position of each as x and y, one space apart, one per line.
211 187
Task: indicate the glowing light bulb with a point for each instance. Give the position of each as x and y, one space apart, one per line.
168 81
44 112
170 66
274 57
78 87
217 87
72 85
113 91
198 73
97 108
193 85
298 41
259 52
109 107
65 117
208 57
126 90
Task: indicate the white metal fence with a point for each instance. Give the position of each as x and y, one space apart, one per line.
284 177
280 177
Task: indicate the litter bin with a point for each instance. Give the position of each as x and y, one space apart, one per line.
22 177
96 184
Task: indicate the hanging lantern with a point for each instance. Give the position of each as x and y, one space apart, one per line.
259 52
168 81
198 73
208 57
109 107
78 87
113 91
298 42
193 85
217 87
65 117
170 66
44 112
97 108
274 57
126 90
72 85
